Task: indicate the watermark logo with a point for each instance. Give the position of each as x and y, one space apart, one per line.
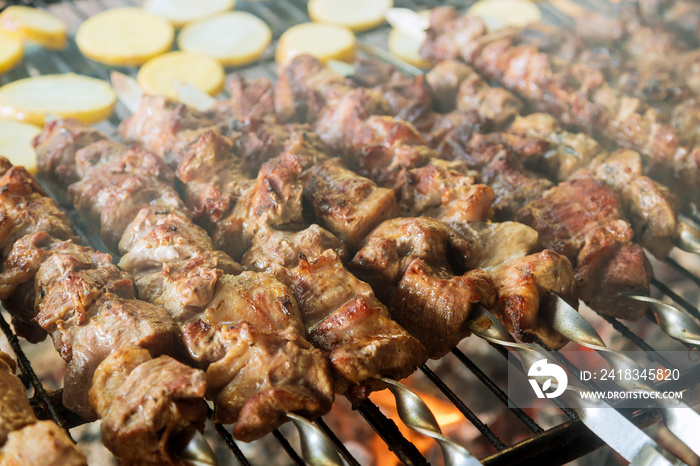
542 370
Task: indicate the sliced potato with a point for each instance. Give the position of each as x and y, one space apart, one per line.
34 25
65 95
181 12
160 75
11 52
235 38
500 14
16 143
358 15
124 36
407 46
323 41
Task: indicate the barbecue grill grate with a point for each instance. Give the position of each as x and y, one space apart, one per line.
558 445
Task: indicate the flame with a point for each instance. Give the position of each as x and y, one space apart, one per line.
446 414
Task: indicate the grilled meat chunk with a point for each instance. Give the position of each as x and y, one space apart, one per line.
434 305
445 79
275 200
345 203
173 262
164 127
85 303
15 411
493 244
494 105
390 248
255 378
284 248
439 190
249 98
144 403
25 209
56 147
43 442
409 98
347 322
582 219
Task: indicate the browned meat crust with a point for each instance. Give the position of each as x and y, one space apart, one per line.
254 378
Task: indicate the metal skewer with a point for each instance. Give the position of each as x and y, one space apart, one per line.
613 428
190 446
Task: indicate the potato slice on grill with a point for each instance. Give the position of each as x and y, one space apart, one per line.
235 38
162 74
124 36
11 52
181 12
406 45
34 25
500 14
64 95
16 143
323 41
358 15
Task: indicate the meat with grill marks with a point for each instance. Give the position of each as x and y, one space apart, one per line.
582 219
144 403
347 204
165 128
347 322
283 248
274 201
255 377
23 439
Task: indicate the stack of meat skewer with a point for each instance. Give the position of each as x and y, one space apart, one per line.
270 275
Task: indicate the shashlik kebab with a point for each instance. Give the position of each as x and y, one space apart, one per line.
244 329
87 305
575 94
24 440
350 206
345 330
682 18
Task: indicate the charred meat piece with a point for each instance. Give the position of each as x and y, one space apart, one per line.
448 194
348 323
249 98
25 209
390 248
144 403
43 442
304 87
445 79
173 262
112 193
372 73
384 149
345 203
493 244
434 305
409 98
165 128
583 220
56 147
254 378
495 106
283 248
274 201
213 178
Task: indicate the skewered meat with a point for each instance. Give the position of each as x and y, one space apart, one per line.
434 305
275 200
445 79
582 220
283 248
348 323
345 203
164 127
256 377
409 98
249 98
144 403
395 244
58 139
23 439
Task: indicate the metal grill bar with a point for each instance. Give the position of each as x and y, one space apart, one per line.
293 455
500 394
231 444
468 413
683 271
404 450
676 298
627 333
347 456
